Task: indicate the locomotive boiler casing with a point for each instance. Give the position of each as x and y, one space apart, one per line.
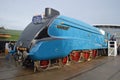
67 34
56 36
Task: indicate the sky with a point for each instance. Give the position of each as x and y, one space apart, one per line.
17 14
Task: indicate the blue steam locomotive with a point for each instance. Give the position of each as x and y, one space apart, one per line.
58 39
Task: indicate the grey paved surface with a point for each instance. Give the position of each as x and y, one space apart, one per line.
102 68
109 70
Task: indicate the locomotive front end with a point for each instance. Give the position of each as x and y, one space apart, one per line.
34 32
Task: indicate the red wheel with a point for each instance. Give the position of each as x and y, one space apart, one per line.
86 55
94 53
44 64
64 60
75 56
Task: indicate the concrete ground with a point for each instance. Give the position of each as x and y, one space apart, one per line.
102 68
109 70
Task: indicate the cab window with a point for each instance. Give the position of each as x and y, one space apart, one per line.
43 34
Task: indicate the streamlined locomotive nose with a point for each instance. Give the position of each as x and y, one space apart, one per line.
37 28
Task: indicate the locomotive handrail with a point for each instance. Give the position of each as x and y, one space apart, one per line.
80 25
81 28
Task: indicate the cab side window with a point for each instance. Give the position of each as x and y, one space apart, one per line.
43 34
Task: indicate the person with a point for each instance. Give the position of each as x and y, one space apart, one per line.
118 50
10 50
6 48
113 38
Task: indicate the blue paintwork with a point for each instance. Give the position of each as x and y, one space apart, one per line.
73 35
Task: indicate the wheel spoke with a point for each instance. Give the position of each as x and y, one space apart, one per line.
64 60
86 55
44 64
75 56
94 53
